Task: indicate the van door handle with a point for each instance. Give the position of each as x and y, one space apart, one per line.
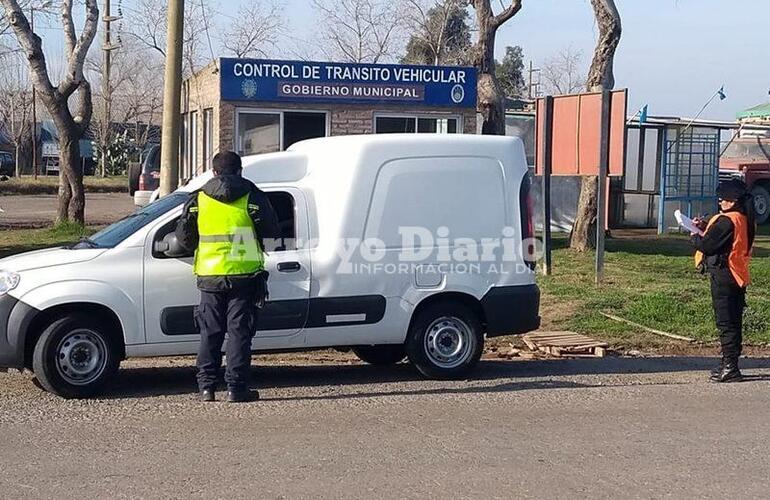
289 267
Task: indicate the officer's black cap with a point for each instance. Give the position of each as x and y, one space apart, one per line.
732 190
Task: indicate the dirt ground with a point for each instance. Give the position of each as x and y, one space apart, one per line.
334 428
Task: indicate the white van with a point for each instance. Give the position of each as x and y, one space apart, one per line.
397 246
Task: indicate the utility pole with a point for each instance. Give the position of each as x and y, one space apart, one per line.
34 108
533 86
172 100
106 84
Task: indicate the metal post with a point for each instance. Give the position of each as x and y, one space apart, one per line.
172 97
604 163
34 106
546 191
663 168
530 79
106 90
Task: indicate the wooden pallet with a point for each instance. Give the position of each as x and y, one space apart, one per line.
561 344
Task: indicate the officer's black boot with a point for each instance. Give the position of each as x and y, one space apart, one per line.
207 395
242 396
729 372
718 369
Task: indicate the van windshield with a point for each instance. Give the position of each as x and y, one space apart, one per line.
114 234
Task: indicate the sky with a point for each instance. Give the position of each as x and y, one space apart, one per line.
673 54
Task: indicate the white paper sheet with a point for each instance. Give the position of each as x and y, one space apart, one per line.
687 223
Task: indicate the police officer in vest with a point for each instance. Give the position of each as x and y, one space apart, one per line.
724 252
227 223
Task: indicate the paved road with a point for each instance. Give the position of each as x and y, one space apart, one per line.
612 428
101 208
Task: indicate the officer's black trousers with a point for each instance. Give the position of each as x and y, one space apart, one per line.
728 300
235 312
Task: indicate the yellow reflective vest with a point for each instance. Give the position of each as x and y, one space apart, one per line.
228 244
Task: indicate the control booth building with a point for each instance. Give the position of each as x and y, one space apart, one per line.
258 106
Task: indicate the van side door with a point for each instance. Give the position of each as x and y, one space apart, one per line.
170 292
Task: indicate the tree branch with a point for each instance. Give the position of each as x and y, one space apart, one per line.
70 38
85 107
506 14
74 75
31 45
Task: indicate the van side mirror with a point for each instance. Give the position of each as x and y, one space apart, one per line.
170 247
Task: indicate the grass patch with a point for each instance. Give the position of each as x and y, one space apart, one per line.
14 241
50 185
650 281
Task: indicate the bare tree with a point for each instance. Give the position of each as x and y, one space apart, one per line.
438 32
148 26
600 77
16 108
562 73
136 85
359 30
254 30
490 99
56 99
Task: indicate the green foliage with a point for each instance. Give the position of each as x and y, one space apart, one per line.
119 150
443 38
15 241
50 185
510 72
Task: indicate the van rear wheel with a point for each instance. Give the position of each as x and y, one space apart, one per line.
74 357
381 355
445 340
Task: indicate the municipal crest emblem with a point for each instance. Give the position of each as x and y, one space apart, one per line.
249 88
458 94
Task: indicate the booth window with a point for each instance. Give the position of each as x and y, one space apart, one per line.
419 124
184 133
208 138
268 132
193 147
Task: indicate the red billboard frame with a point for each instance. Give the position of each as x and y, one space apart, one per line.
576 140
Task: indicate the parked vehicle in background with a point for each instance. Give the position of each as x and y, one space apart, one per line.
144 176
7 165
748 158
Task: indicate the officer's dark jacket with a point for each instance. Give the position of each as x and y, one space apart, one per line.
226 189
716 245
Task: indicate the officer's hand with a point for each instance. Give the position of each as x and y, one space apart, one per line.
700 223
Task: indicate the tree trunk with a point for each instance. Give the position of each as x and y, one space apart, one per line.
65 195
490 104
600 77
70 179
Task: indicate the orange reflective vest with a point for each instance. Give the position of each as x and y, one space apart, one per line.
740 253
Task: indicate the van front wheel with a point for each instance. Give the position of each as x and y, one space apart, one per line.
445 341
74 357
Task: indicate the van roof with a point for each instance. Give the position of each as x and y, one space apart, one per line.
341 154
395 140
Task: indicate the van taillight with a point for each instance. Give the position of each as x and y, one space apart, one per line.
526 206
142 183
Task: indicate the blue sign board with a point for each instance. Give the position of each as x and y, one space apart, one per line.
346 83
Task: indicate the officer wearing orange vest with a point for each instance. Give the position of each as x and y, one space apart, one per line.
724 252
